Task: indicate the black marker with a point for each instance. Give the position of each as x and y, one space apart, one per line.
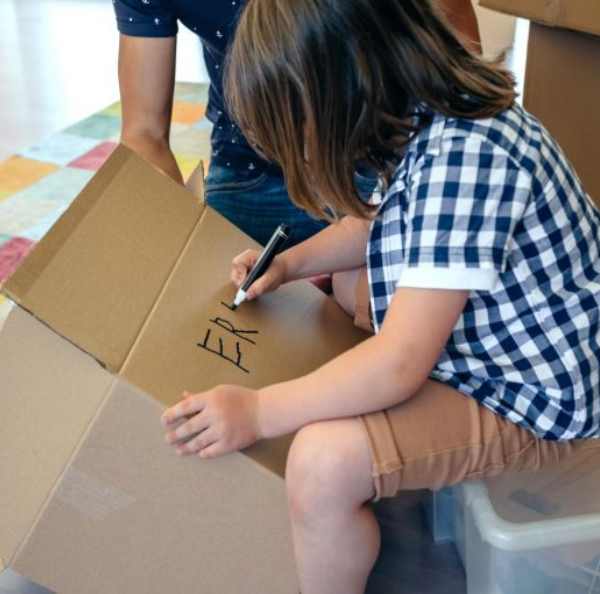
272 248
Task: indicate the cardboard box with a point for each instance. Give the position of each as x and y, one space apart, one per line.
562 88
562 79
121 308
578 15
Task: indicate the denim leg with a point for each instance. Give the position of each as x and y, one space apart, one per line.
257 204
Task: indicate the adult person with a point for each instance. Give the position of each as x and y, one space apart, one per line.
242 186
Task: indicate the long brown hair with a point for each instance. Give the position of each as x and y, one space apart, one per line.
318 85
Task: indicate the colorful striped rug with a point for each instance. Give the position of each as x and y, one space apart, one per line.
38 184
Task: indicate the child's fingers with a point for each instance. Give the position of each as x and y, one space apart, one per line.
246 259
187 431
213 450
261 286
241 265
238 274
189 406
200 441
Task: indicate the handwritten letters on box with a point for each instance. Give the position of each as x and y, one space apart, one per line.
226 341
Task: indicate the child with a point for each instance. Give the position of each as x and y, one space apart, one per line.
483 258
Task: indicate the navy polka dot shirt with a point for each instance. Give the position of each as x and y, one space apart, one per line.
214 22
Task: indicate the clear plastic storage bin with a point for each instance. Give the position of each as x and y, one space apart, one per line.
532 533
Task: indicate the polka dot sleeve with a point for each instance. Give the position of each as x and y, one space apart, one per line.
145 18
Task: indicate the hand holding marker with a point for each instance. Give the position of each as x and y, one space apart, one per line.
272 248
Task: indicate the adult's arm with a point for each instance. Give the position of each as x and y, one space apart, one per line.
146 82
461 15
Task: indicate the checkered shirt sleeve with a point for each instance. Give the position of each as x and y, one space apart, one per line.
463 204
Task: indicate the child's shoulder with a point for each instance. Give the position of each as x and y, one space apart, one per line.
514 135
512 131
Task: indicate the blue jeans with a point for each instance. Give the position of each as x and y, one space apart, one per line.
258 203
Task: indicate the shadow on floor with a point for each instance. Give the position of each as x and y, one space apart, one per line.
410 562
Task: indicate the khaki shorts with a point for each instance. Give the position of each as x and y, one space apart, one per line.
441 437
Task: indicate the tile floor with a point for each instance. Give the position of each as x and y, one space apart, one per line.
58 64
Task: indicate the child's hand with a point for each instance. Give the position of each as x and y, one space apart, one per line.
213 423
274 276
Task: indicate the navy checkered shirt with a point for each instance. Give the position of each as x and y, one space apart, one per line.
492 206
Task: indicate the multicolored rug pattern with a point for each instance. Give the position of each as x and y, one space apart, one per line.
39 183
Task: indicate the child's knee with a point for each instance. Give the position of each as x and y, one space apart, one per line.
328 466
313 456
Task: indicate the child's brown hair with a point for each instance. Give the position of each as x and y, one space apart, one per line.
318 85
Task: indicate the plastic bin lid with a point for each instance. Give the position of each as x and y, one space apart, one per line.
557 505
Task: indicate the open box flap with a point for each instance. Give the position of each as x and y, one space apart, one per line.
127 515
49 392
193 341
96 274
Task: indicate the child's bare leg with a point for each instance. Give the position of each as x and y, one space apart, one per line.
328 476
336 536
351 291
344 289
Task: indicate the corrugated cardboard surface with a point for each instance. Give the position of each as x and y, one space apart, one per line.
49 390
192 341
156 307
95 276
252 346
130 516
579 15
562 88
13 583
115 509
